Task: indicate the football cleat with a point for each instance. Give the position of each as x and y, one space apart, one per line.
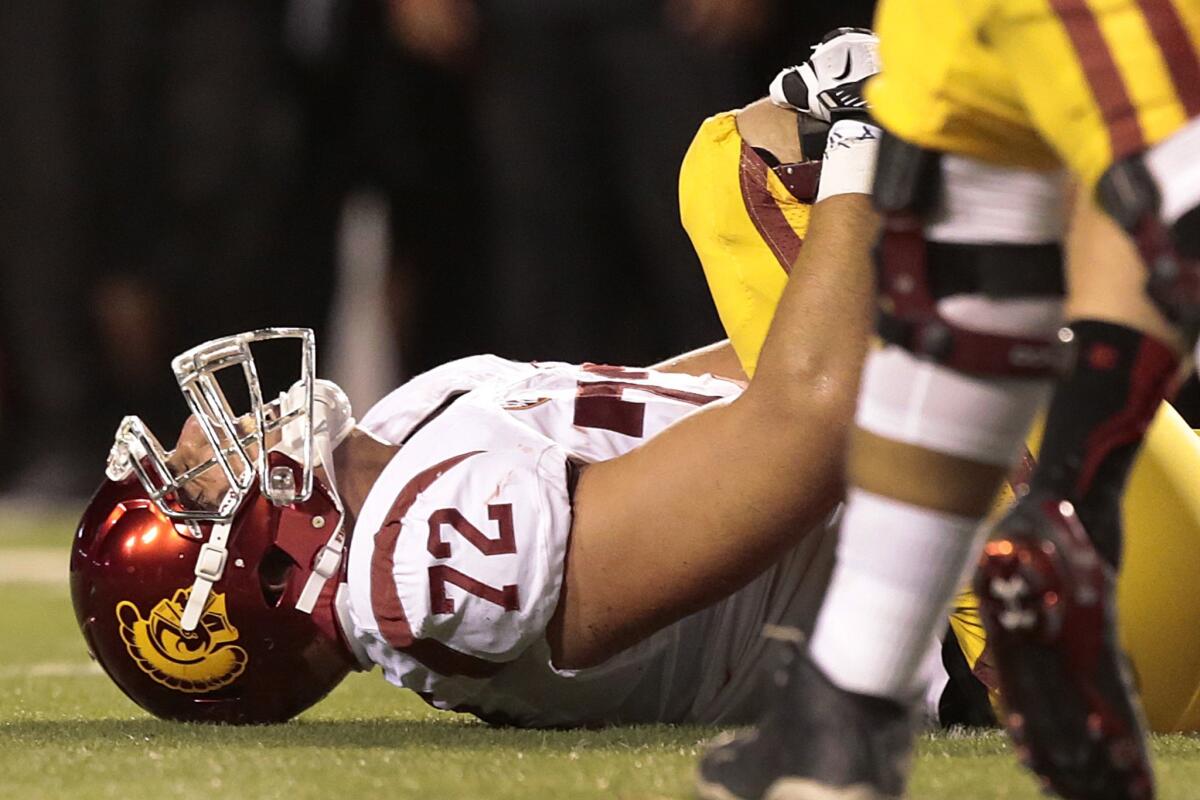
1048 603
818 742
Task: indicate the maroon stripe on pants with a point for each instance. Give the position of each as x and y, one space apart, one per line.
768 218
1152 372
1100 70
1177 50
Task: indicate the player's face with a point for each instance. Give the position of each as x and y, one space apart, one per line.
205 490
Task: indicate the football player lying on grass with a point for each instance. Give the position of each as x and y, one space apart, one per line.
537 544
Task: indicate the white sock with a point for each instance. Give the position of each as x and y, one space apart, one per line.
898 567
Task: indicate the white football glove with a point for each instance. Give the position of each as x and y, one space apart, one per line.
829 86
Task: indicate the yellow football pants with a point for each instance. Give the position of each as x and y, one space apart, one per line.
1038 83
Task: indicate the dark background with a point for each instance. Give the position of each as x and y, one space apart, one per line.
175 170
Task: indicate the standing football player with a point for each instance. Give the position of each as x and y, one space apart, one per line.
983 104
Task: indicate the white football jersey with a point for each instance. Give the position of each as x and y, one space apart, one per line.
456 562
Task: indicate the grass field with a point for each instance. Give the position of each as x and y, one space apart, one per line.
66 732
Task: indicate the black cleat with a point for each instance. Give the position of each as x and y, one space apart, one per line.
818 742
1048 603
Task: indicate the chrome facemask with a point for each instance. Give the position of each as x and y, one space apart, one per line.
306 423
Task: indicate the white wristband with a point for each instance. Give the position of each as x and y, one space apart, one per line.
849 163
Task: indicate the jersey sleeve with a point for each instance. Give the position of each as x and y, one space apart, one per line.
479 564
394 417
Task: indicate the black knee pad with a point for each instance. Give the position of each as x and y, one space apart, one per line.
1128 193
1186 234
914 273
907 177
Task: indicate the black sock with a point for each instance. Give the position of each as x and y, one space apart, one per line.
1096 422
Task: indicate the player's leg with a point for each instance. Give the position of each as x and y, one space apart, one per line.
1115 88
1047 597
943 409
1124 355
971 272
1104 84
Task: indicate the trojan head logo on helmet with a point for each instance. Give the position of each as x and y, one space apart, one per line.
206 579
196 661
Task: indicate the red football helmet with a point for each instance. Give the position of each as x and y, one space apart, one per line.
227 610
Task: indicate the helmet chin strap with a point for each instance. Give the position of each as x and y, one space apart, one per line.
329 557
210 566
332 422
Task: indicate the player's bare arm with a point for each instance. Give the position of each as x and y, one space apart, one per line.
701 509
714 359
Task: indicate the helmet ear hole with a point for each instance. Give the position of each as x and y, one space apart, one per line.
274 571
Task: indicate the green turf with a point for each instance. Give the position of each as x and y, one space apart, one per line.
65 732
22 528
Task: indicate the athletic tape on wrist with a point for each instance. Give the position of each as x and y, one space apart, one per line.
849 163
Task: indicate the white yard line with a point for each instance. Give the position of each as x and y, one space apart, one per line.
51 669
33 565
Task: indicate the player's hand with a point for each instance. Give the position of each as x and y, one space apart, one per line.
829 86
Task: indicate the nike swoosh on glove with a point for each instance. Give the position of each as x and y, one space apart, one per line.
829 86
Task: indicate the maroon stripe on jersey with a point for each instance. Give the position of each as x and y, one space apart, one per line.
1177 50
1100 70
617 389
764 212
602 408
385 599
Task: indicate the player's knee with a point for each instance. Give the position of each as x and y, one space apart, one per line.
970 261
908 399
1155 197
919 476
971 283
